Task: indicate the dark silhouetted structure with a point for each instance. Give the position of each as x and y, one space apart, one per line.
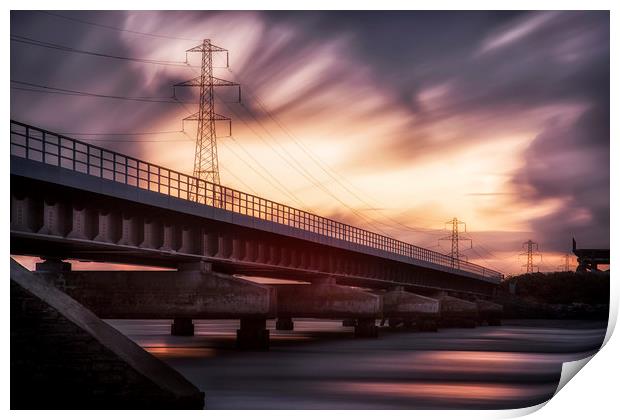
588 259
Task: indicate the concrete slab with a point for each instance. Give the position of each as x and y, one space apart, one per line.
165 294
326 301
398 303
458 312
489 312
410 309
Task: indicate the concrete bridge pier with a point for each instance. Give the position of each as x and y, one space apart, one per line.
192 292
328 300
366 328
457 312
401 307
489 312
285 324
182 327
253 334
53 265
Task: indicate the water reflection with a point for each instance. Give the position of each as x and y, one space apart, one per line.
466 392
320 366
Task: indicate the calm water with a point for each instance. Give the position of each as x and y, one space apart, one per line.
321 366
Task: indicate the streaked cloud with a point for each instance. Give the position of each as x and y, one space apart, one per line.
498 118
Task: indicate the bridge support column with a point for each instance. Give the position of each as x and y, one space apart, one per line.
21 214
192 292
105 229
285 324
294 258
253 334
489 312
285 259
182 327
151 235
224 246
262 253
366 328
209 244
129 231
274 255
187 241
303 260
250 250
168 240
407 308
53 221
81 227
328 300
457 312
238 249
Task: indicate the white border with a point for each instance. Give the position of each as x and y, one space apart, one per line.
592 395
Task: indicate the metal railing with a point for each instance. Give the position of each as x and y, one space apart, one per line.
54 149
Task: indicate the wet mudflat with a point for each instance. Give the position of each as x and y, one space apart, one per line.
321 366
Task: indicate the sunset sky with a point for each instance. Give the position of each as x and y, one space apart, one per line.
392 121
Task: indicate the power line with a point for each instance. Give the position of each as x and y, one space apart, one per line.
150 34
330 172
137 141
282 188
279 187
298 167
500 268
231 173
72 92
143 133
50 45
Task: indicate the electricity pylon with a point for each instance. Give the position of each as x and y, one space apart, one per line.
529 252
566 263
455 237
206 167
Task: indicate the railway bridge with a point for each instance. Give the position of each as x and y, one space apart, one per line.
74 200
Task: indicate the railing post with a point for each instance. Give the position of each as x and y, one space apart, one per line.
27 142
43 148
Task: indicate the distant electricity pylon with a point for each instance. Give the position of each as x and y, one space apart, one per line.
206 166
455 237
566 263
531 250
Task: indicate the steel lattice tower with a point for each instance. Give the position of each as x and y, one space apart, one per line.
529 253
566 263
206 166
455 237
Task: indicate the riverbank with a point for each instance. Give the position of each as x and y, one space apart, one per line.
561 295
